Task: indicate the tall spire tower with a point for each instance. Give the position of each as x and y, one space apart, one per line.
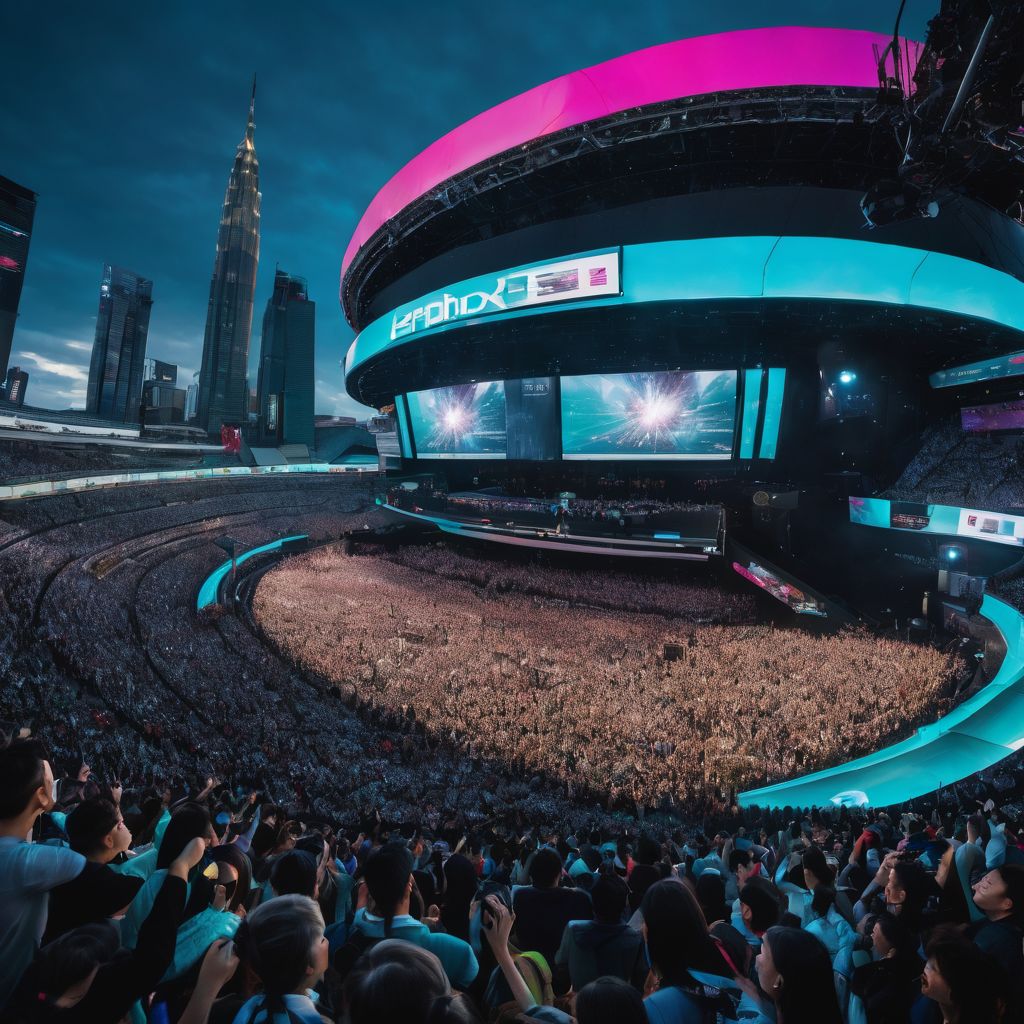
223 391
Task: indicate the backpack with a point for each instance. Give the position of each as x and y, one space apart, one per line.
348 955
534 970
716 1005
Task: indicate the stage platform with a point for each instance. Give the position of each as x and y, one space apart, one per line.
692 534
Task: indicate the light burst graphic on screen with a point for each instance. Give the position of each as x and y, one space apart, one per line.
672 414
455 419
462 420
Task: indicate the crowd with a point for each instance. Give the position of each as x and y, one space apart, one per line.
210 902
967 470
249 846
638 707
21 460
576 508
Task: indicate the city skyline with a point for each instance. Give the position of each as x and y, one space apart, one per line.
128 155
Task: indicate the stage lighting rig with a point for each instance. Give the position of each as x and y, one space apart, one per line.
961 122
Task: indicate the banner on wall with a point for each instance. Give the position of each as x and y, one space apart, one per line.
575 278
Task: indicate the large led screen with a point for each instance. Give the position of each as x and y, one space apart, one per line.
1000 416
466 421
670 415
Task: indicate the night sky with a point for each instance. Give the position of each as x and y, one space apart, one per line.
125 118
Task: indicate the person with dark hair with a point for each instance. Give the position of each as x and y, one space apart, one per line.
694 978
795 972
234 872
609 1000
968 985
741 866
282 942
95 829
827 915
294 874
83 976
28 871
189 821
398 981
204 921
389 883
889 986
605 946
543 909
1000 894
759 910
711 897
460 881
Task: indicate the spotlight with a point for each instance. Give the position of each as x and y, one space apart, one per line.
847 377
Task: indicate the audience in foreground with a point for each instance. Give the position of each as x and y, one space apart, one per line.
206 906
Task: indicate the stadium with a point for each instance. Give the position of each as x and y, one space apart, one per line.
691 552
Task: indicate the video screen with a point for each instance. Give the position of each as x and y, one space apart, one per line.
781 590
909 515
1000 416
531 411
670 415
466 421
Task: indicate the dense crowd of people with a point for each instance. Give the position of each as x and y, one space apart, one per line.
969 470
453 789
210 902
527 667
20 460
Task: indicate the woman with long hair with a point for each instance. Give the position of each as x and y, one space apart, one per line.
795 971
691 972
282 942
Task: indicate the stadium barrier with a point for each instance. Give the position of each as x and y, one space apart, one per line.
976 735
211 585
41 488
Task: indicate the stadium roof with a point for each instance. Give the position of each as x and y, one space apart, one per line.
731 61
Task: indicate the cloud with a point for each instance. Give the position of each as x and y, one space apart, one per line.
79 346
58 369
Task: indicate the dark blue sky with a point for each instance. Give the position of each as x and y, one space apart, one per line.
125 117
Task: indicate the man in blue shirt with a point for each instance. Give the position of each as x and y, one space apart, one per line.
28 871
389 880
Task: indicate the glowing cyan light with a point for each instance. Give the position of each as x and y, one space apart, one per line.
847 377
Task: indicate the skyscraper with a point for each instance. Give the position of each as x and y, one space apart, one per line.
119 350
285 382
15 386
17 210
223 396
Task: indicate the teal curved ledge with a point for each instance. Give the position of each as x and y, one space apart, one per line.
211 585
976 735
749 267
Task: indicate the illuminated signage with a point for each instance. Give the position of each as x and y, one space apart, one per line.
990 369
579 277
947 520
